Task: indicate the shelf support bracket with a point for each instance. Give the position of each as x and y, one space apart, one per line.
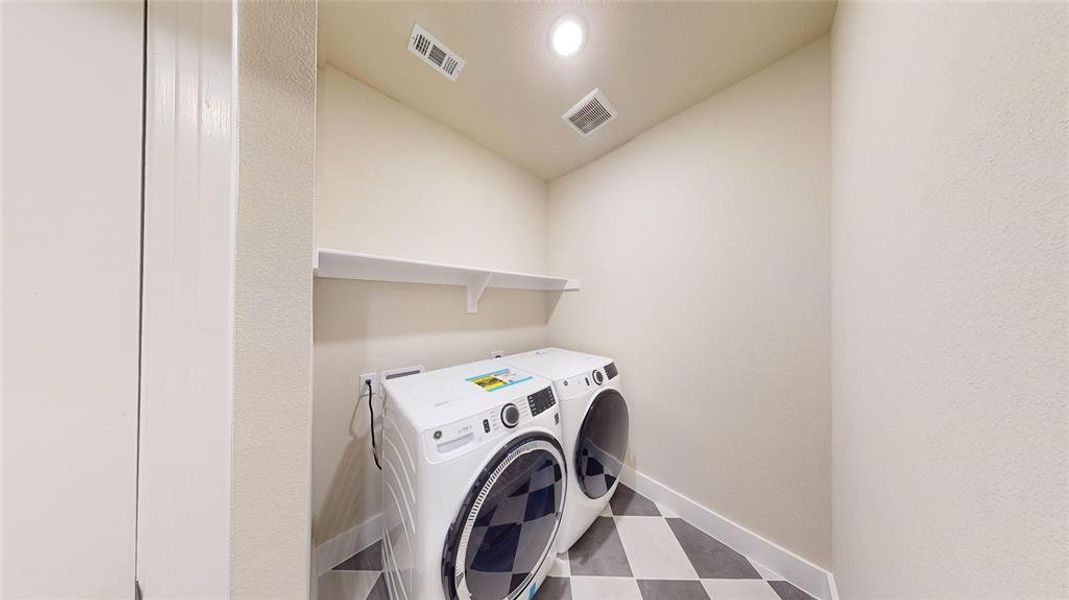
476 286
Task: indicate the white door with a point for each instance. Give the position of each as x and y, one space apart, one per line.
71 237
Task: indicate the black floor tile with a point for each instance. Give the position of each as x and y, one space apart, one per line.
711 558
379 592
555 588
599 551
626 502
368 559
787 591
660 589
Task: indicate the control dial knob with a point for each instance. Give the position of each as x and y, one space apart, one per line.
510 415
598 377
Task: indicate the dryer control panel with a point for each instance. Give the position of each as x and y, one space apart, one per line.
584 382
458 437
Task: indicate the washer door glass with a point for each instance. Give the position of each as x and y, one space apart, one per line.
508 525
602 443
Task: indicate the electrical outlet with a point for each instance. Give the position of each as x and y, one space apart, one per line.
364 379
497 354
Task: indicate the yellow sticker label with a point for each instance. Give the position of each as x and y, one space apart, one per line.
498 379
488 382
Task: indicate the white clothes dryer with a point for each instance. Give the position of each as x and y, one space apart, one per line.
473 483
595 423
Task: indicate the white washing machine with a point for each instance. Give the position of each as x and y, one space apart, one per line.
595 423
473 483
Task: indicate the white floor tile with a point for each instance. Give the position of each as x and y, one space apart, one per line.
561 567
346 585
607 511
765 572
605 588
739 589
652 549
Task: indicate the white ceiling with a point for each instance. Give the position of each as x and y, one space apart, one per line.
651 59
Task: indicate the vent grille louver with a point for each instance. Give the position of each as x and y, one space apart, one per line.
435 53
421 44
591 113
590 116
450 65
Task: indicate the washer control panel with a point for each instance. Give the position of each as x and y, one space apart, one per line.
541 401
459 437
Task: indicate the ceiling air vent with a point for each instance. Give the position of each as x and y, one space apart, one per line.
590 113
434 53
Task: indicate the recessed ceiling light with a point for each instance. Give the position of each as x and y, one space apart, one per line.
567 35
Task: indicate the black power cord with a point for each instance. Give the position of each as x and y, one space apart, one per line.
371 409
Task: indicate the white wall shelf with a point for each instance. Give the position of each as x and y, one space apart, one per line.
342 264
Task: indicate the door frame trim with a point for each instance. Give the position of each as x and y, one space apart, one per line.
187 389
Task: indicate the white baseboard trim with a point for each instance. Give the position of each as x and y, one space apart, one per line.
337 549
815 580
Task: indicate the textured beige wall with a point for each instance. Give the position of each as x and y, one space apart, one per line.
703 250
270 504
391 181
951 328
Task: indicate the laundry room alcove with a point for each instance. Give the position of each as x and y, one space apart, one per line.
439 192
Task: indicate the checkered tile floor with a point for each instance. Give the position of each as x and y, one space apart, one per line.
635 550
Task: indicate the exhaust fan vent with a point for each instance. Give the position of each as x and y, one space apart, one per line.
434 53
590 113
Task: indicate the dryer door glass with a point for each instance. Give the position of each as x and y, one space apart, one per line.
508 525
602 442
